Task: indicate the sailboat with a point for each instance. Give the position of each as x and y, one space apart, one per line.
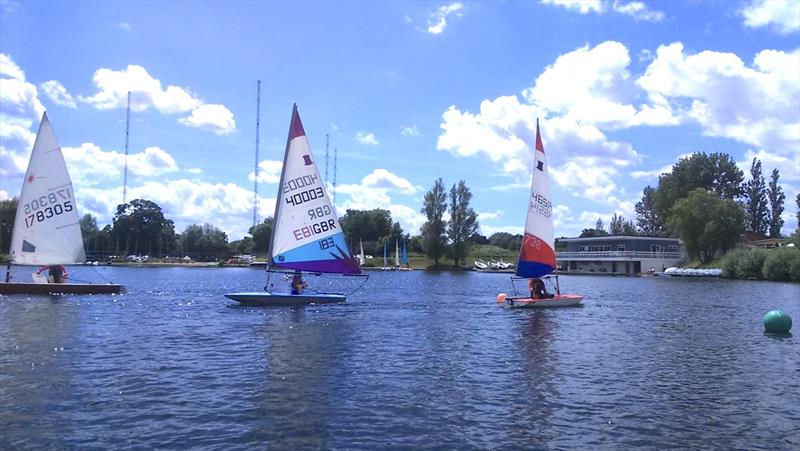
306 235
537 256
404 259
361 258
396 254
46 227
385 262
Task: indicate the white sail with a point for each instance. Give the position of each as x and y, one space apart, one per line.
396 253
46 228
361 258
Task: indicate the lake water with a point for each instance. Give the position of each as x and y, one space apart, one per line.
414 360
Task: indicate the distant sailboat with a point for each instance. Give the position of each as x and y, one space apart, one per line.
537 256
385 262
361 257
396 254
404 258
46 227
306 234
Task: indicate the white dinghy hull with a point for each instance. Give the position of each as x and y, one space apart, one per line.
563 300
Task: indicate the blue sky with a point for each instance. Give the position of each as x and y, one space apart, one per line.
406 91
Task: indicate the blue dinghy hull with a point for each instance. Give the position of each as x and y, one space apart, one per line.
264 299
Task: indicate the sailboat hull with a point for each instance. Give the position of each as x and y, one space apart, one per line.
563 300
59 288
264 299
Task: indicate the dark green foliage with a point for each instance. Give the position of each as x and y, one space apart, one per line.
647 218
706 223
141 228
755 195
620 227
716 172
463 224
433 231
782 264
204 243
598 230
506 241
776 199
8 211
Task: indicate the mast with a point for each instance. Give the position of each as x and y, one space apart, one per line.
125 172
326 157
335 152
255 182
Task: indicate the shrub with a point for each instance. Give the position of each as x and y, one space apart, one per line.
730 261
778 263
750 265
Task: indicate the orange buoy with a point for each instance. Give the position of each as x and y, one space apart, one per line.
501 298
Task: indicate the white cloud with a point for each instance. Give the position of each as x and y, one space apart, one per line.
638 10
582 6
269 171
226 206
651 174
758 105
381 178
58 93
593 85
20 109
124 26
98 165
782 15
409 130
490 215
147 92
789 167
438 20
214 118
194 171
488 230
366 138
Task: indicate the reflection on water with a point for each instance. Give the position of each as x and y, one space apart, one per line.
415 359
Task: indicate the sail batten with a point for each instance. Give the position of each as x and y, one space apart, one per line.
46 226
307 234
537 255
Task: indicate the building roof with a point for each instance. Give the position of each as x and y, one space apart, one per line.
615 237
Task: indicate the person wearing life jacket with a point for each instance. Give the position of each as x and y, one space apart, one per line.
55 273
298 284
537 289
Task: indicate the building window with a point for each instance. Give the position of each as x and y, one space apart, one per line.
673 248
621 247
656 248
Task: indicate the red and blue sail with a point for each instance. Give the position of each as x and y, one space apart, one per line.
307 235
537 255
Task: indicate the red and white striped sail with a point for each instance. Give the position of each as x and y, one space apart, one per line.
537 256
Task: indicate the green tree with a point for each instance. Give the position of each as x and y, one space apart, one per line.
463 224
715 172
140 227
90 233
8 211
204 243
647 218
755 194
598 230
776 199
706 223
260 234
620 227
433 230
506 241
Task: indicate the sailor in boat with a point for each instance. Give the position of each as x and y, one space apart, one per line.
298 284
55 273
538 290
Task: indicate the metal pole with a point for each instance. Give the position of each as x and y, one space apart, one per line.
255 182
326 157
125 174
335 153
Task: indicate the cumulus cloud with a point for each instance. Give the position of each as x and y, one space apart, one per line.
593 85
375 191
639 11
147 92
20 110
269 171
124 26
781 15
98 165
381 178
757 105
214 118
366 138
54 90
225 205
438 20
